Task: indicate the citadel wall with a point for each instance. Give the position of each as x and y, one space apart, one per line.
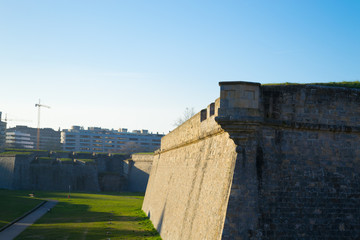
49 171
45 171
272 162
138 170
6 171
190 179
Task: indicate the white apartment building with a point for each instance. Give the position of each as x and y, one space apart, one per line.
17 139
49 138
95 139
2 132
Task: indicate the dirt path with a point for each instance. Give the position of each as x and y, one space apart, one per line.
15 229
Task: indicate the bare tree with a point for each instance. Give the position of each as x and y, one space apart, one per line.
188 113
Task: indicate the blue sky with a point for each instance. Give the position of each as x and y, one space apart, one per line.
139 64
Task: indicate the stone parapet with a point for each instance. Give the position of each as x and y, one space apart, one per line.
196 128
142 157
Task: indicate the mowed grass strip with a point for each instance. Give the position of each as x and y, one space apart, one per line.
92 216
14 204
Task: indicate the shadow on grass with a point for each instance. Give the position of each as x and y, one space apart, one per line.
71 220
14 204
74 213
49 231
42 194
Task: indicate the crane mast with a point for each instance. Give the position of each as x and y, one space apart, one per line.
39 105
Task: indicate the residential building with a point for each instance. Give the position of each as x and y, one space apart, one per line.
2 132
96 139
17 139
49 138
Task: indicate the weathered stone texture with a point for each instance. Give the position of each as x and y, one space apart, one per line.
273 162
311 185
189 182
7 171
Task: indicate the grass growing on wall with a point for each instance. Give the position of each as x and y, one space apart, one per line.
14 153
65 159
61 151
119 154
347 84
14 204
93 216
85 160
23 150
354 84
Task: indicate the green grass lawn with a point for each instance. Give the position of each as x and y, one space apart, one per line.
14 204
92 216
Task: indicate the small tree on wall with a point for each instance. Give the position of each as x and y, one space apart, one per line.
188 113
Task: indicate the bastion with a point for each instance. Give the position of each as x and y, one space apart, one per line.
261 162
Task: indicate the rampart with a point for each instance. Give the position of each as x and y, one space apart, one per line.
52 171
137 171
262 162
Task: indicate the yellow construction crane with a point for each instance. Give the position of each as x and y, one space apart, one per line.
39 105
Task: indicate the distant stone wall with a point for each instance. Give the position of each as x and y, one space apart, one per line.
7 171
272 162
138 168
58 176
38 171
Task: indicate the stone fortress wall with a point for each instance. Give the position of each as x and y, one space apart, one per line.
190 179
262 162
137 170
45 171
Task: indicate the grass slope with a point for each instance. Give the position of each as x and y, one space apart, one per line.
14 204
93 216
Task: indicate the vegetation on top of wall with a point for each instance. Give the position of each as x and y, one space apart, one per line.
15 153
62 151
354 84
144 153
347 84
86 160
23 150
45 158
65 159
83 152
119 154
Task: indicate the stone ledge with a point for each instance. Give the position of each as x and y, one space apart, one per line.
192 141
311 126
